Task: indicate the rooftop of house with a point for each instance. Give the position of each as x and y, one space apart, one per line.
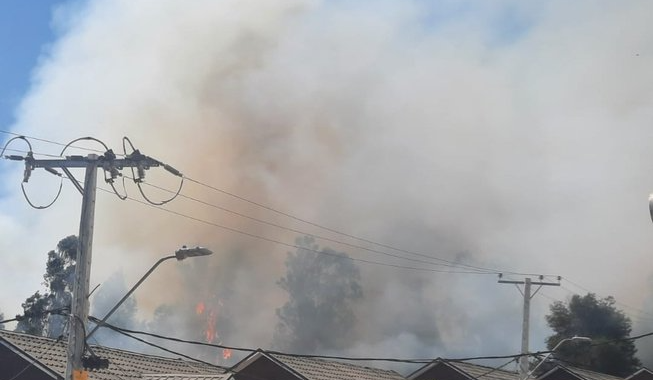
642 373
483 372
320 369
583 374
51 353
468 370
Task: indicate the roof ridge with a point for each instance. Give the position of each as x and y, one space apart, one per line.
572 368
481 366
325 360
106 348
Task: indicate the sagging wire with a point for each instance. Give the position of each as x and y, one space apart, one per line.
122 331
323 252
42 207
110 170
49 141
9 142
321 237
139 175
492 370
68 145
83 138
29 167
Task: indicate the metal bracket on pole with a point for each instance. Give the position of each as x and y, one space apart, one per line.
74 181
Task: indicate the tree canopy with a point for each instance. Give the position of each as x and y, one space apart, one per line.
42 313
601 321
322 288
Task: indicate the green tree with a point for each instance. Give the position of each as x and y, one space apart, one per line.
600 320
43 313
322 288
34 318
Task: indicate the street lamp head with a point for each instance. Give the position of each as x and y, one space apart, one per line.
185 252
572 339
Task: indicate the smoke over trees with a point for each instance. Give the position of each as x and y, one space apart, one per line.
105 298
600 320
42 313
322 288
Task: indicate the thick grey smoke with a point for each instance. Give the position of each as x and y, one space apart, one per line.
499 134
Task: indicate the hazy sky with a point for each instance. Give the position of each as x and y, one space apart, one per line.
500 134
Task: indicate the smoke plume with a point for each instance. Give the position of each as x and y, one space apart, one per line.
498 134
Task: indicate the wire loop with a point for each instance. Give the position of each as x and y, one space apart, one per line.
138 179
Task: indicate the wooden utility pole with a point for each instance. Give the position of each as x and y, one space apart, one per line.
79 308
523 360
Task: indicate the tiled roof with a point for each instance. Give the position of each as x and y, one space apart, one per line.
320 369
469 370
185 377
584 374
642 372
485 373
123 364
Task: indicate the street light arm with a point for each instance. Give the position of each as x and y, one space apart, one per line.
583 338
129 293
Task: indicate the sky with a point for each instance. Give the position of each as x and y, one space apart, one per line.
498 134
26 34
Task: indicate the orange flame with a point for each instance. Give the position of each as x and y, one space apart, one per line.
211 332
210 314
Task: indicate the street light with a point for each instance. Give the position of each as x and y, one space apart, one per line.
180 254
573 338
650 205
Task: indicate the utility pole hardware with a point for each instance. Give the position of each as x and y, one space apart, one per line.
523 360
76 363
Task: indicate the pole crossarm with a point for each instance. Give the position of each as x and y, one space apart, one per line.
532 283
82 162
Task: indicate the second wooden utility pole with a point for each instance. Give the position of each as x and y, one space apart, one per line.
523 360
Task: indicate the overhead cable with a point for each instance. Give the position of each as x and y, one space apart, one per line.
314 235
279 242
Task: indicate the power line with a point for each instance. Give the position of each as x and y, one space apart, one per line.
302 220
130 333
127 334
313 235
349 358
638 310
51 142
35 154
279 242
138 181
